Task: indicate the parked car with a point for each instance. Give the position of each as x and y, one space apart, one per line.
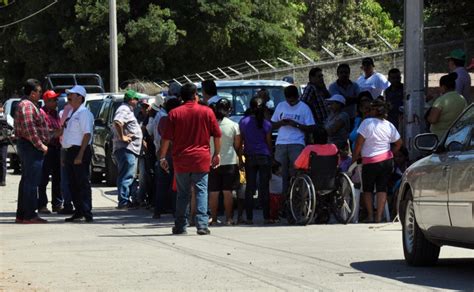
103 163
436 197
240 92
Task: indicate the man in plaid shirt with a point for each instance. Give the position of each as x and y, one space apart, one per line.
32 133
315 94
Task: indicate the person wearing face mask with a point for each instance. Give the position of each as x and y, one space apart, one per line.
32 133
77 140
447 107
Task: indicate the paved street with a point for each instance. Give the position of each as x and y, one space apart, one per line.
127 250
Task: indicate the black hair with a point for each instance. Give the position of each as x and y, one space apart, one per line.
343 66
458 63
381 108
313 71
188 91
292 92
257 107
320 135
209 87
449 81
222 109
368 61
365 94
362 99
394 71
171 104
30 85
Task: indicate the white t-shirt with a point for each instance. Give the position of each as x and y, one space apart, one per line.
229 130
156 122
378 135
300 113
375 84
77 124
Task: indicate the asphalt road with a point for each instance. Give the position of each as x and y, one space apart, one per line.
127 250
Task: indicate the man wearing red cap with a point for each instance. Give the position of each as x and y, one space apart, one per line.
51 163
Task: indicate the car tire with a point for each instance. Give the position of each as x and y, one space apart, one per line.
110 171
417 249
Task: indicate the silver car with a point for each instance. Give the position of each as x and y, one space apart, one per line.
436 201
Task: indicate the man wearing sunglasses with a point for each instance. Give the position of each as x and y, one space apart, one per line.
32 133
77 138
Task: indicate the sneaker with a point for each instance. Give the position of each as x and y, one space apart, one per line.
89 219
36 220
44 210
203 231
177 231
3 184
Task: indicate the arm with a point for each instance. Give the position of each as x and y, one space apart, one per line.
216 157
238 146
119 127
85 142
397 145
434 115
269 141
165 144
358 147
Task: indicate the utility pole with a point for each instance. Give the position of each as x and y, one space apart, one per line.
113 46
414 73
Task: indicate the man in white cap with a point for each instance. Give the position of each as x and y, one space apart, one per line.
338 124
77 138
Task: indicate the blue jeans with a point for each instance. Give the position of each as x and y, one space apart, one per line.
32 164
65 191
184 182
127 167
261 165
3 162
163 190
286 154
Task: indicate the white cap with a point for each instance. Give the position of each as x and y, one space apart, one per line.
159 100
337 98
78 90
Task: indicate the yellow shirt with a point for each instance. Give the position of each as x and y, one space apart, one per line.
451 105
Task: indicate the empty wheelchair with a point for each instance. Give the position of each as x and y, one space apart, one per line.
321 191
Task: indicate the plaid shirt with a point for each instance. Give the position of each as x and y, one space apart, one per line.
315 97
30 124
54 123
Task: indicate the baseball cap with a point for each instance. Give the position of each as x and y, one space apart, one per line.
159 100
368 61
78 89
337 98
131 94
50 94
457 54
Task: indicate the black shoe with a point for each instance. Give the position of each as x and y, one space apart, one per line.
177 231
3 184
89 219
74 218
204 231
66 211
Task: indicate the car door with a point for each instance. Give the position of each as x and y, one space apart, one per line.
460 139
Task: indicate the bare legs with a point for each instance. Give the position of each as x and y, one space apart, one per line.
228 205
369 205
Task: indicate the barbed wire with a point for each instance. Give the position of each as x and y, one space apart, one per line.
29 16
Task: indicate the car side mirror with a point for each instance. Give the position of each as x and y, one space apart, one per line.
99 123
426 142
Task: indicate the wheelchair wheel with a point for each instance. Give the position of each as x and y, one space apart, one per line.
345 203
302 200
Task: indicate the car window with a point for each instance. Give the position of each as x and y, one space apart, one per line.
94 106
460 132
103 115
14 108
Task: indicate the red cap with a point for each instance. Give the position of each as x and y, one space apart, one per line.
50 94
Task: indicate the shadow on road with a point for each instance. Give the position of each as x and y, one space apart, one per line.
455 274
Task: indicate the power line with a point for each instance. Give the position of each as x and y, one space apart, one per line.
29 16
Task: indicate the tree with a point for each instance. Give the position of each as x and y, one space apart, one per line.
332 23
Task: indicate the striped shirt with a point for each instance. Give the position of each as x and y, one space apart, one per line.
30 124
54 123
315 99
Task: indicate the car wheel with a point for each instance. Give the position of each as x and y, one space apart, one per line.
417 249
110 171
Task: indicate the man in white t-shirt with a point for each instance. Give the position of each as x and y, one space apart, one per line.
372 81
293 119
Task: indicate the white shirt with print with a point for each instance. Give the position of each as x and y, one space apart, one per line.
300 113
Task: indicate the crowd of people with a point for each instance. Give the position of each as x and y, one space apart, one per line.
188 151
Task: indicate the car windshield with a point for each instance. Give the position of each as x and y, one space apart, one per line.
241 96
94 106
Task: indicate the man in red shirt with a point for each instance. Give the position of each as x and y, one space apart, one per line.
190 128
31 130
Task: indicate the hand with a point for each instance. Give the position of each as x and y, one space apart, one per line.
58 132
293 123
216 160
145 145
164 165
44 149
78 159
127 138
